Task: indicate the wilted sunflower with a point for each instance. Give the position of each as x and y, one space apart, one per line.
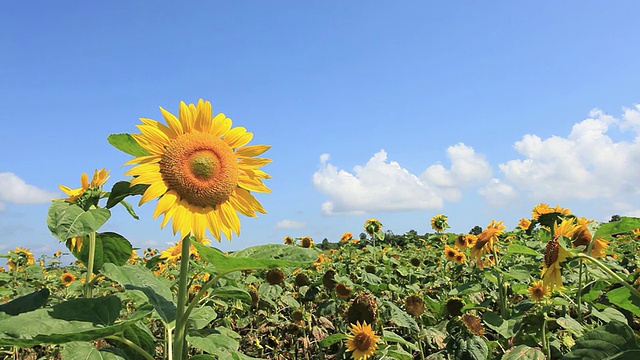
67 278
439 223
328 281
301 280
371 269
582 236
306 242
200 170
346 237
274 277
454 306
362 309
342 291
554 256
415 261
473 324
362 341
538 290
372 226
288 240
414 305
486 240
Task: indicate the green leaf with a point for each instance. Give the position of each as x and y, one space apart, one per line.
609 314
521 249
110 248
84 351
626 224
140 335
231 292
66 220
625 299
26 303
626 355
213 342
121 190
127 144
498 324
73 320
156 289
571 325
401 318
202 316
603 342
466 288
390 336
524 352
471 348
257 257
332 339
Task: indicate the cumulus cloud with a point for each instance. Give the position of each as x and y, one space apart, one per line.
17 191
382 185
586 164
497 193
290 224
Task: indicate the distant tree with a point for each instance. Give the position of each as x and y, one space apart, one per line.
615 218
477 230
363 236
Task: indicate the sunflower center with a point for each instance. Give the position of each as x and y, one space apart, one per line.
201 168
362 341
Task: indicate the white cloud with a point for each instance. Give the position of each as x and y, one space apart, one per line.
586 164
497 193
382 185
17 191
290 224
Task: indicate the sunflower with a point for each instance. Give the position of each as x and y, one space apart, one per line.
543 208
566 228
67 278
450 253
99 178
342 290
174 253
554 255
23 257
538 290
274 277
414 305
301 280
288 240
372 226
473 324
460 257
362 309
461 242
486 239
362 341
524 224
582 236
346 237
306 242
439 223
454 306
200 170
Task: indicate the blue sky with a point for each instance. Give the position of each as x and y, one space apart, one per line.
393 110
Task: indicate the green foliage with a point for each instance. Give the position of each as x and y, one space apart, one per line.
613 340
110 248
127 144
26 303
66 220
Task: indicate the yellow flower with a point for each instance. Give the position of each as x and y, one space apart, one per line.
288 240
582 236
460 257
372 226
99 178
362 341
174 253
566 228
554 256
543 208
200 170
439 223
465 241
67 278
636 233
450 253
524 223
599 246
346 237
306 242
486 240
538 290
24 258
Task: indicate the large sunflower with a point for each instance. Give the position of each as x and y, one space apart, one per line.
362 341
200 170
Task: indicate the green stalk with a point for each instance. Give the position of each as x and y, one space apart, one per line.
132 345
501 290
88 287
611 273
179 337
545 341
580 292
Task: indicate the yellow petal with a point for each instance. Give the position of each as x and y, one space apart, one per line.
221 125
250 199
166 202
153 134
251 151
162 127
153 148
84 181
144 159
143 169
255 185
185 117
172 121
155 190
241 205
237 137
253 162
203 119
230 217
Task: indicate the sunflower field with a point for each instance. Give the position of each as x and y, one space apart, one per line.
558 286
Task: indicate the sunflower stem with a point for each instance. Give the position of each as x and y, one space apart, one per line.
179 336
545 340
611 273
88 287
501 289
579 297
132 345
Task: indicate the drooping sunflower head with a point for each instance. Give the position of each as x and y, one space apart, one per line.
342 290
454 306
275 277
306 242
415 262
346 237
362 309
200 170
414 305
372 226
439 223
473 324
328 280
20 257
362 341
301 280
288 240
